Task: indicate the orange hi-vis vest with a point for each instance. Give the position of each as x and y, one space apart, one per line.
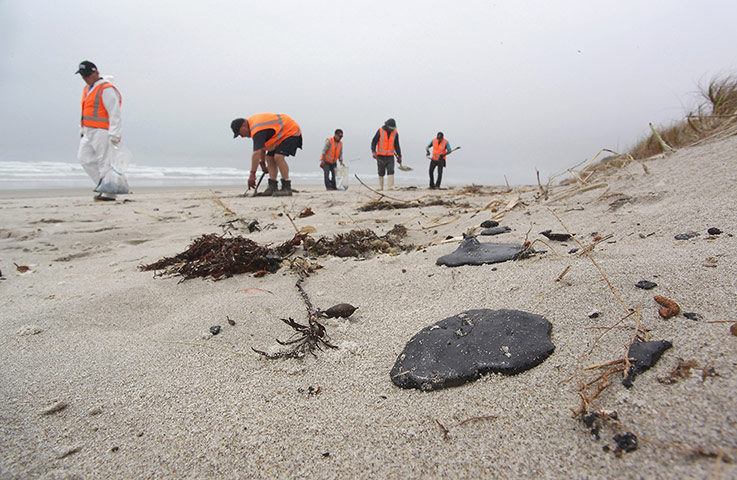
283 124
438 148
333 153
94 113
385 146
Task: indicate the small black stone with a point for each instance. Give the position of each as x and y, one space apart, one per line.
627 442
572 251
489 224
714 231
645 354
646 285
215 329
495 230
687 236
558 237
693 316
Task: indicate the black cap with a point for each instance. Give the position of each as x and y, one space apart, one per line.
236 125
86 68
390 123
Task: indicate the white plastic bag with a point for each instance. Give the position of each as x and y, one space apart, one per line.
342 173
114 181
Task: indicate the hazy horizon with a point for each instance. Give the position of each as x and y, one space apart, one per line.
518 86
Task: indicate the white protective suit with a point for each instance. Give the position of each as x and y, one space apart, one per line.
95 148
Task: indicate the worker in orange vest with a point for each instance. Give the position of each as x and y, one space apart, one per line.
275 136
101 125
440 148
384 146
332 152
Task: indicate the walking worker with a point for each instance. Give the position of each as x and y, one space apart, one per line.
101 125
332 151
275 136
384 146
440 148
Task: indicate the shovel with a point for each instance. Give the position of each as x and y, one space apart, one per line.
255 190
446 154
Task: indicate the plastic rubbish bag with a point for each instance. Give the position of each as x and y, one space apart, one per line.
114 181
342 173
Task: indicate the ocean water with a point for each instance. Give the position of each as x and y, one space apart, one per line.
15 175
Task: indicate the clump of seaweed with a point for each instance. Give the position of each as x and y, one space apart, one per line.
387 205
307 338
218 257
358 242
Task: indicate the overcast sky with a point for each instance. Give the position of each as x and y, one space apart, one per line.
518 85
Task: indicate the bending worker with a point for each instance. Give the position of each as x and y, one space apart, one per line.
440 148
275 136
384 146
102 125
332 152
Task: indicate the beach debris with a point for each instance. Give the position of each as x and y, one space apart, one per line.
644 355
310 391
714 231
733 329
215 329
558 237
446 431
572 251
29 330
687 236
227 211
379 204
646 285
342 310
473 252
307 338
307 212
594 314
693 316
626 442
682 370
495 230
55 407
230 321
489 224
461 348
66 451
358 242
21 268
251 226
218 257
670 308
254 290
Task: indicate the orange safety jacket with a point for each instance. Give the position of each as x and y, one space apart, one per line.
385 146
333 153
94 113
283 124
439 148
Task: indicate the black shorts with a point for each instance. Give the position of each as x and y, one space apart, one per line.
288 147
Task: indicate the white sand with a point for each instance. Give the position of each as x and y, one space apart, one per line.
150 394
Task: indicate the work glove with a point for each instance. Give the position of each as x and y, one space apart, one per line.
114 140
252 180
264 168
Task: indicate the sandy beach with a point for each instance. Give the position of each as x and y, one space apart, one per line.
112 372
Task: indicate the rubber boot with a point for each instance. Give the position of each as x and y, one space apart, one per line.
286 189
273 187
390 182
381 183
